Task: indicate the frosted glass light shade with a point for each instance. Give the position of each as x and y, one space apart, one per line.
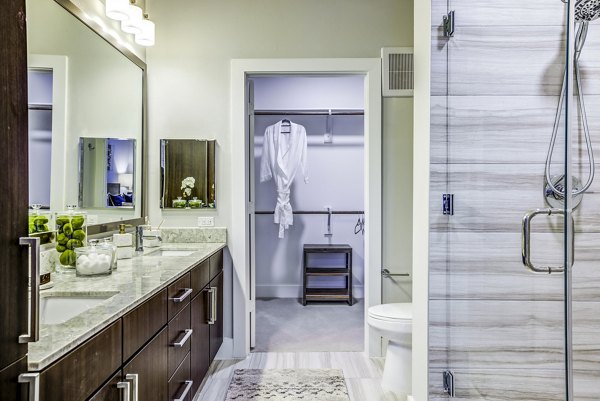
134 23
147 36
117 9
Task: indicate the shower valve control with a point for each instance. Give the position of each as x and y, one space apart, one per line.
448 204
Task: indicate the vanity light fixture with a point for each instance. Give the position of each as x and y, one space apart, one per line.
147 36
117 9
133 24
133 20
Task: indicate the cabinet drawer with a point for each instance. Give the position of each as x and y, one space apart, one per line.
180 294
200 276
150 366
216 264
181 384
81 372
110 391
180 338
143 322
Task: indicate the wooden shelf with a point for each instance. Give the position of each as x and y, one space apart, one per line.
327 293
327 271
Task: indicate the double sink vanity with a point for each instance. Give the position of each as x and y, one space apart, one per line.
149 331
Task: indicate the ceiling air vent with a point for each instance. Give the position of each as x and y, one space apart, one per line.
398 71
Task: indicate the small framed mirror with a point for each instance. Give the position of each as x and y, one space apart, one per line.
106 173
187 174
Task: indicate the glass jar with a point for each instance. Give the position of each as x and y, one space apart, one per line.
40 224
179 203
195 203
108 244
71 233
93 260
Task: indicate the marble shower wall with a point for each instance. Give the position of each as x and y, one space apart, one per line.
495 88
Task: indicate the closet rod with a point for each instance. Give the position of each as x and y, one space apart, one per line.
322 112
316 212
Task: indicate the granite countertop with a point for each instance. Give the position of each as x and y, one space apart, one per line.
134 281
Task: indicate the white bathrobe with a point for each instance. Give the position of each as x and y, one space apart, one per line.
283 154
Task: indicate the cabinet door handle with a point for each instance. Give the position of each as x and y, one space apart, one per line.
186 337
212 305
33 380
188 386
134 381
125 390
33 331
186 293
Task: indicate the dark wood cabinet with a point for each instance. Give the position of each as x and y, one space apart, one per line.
182 383
180 294
180 338
200 276
143 322
167 356
150 366
216 263
10 389
77 375
216 329
200 338
15 197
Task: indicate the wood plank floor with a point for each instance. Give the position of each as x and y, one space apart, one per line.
362 374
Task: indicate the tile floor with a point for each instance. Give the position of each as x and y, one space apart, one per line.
362 374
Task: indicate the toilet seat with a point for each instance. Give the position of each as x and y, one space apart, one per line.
392 312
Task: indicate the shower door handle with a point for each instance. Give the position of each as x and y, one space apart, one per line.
526 241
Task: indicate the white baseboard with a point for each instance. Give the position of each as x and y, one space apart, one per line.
226 350
294 291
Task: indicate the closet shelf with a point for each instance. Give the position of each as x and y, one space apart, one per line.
327 294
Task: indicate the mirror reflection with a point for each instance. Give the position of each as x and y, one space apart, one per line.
187 173
80 88
106 171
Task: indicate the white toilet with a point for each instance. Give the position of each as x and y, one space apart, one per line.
394 322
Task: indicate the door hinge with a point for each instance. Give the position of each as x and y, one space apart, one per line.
448 204
449 24
448 382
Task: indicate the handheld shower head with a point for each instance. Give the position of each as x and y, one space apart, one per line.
587 10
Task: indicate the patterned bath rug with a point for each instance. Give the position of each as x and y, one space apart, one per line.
287 385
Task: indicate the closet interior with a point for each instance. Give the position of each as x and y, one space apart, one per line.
305 299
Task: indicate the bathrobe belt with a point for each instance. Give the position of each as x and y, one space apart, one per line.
284 215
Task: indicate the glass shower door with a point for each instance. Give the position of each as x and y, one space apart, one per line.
500 330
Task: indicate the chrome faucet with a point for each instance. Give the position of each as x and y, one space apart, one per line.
139 238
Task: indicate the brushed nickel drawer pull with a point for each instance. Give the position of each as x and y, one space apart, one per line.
125 390
134 379
186 293
187 335
212 305
33 333
188 386
33 381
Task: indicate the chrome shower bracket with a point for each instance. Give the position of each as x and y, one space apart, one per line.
448 24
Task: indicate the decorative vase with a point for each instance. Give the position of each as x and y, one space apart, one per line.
71 229
179 203
195 203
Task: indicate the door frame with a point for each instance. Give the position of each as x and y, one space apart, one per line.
239 244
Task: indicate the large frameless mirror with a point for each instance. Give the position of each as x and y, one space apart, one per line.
187 173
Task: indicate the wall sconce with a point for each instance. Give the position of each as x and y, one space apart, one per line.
133 20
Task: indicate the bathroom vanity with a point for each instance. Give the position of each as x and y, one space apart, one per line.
150 331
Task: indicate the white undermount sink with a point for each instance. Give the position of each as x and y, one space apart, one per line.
172 252
55 309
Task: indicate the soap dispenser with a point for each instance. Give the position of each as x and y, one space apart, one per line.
124 243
